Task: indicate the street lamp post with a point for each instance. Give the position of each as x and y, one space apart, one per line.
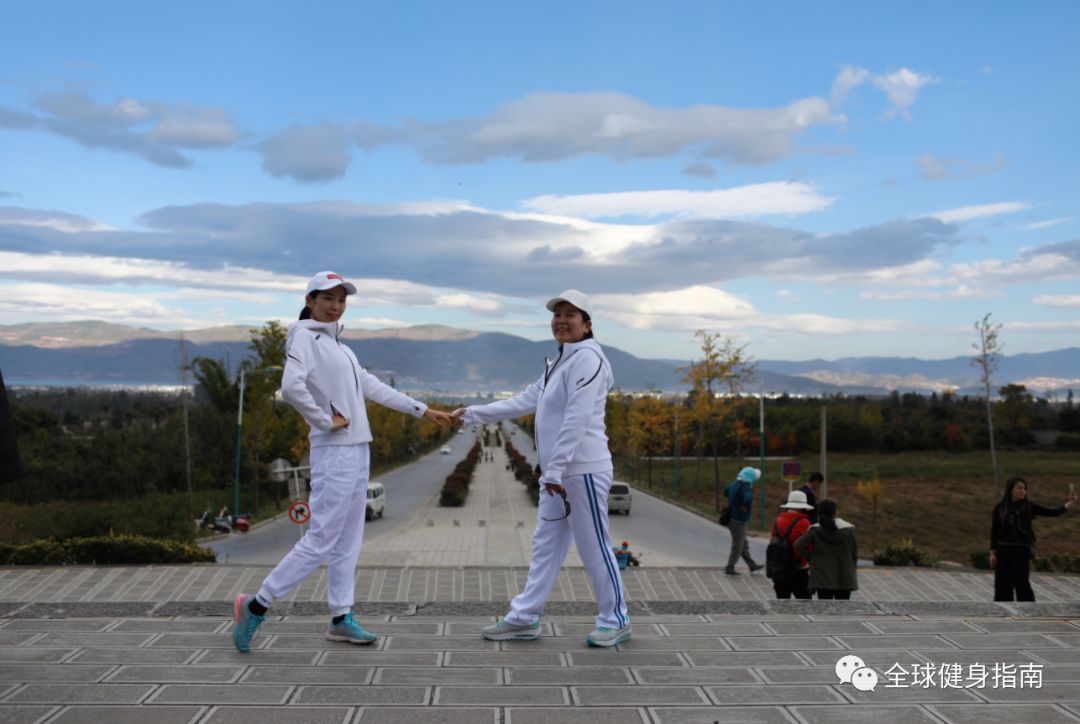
239 430
761 449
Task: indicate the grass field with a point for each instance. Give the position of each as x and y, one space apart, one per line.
941 501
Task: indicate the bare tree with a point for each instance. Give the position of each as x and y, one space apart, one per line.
989 350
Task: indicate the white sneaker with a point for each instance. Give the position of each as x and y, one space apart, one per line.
503 631
605 637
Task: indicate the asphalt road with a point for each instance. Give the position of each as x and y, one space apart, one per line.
407 489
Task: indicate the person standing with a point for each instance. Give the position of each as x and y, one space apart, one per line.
833 552
1012 539
810 490
569 400
790 525
740 497
11 467
325 383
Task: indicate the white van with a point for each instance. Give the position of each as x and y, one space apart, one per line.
619 498
376 500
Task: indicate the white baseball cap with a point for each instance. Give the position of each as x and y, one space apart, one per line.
328 280
573 296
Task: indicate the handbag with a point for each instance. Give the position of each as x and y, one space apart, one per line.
725 516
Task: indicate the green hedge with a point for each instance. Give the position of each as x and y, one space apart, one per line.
456 487
1053 563
121 549
904 554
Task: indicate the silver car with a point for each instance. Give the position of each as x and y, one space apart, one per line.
619 498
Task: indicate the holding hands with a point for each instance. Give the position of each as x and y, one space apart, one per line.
442 419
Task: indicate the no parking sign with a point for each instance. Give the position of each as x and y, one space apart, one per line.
299 512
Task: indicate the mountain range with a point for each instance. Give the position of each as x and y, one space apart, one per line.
434 357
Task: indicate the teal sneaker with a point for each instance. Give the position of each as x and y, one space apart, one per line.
605 637
503 631
245 624
350 632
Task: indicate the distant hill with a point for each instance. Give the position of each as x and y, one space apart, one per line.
435 357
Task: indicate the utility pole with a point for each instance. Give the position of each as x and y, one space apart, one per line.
187 435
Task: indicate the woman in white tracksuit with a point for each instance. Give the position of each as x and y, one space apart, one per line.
326 384
569 401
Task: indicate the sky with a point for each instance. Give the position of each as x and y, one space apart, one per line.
812 180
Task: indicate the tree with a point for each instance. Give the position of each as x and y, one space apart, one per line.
989 351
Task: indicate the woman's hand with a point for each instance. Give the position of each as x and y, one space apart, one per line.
442 419
339 423
1072 497
552 488
993 559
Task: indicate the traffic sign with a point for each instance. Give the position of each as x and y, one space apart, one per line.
790 471
299 512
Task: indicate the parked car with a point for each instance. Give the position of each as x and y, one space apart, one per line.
445 450
619 498
376 500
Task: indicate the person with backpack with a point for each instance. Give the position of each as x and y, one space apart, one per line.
833 552
740 497
790 572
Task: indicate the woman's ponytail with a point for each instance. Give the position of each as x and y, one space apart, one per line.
826 514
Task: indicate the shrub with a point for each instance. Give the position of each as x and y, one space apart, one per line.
1059 562
121 549
1068 440
456 487
904 554
980 559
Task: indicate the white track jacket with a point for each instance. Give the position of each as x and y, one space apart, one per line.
569 400
323 375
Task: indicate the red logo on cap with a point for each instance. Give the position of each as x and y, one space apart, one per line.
335 276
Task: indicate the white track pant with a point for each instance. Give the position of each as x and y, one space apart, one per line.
587 525
339 480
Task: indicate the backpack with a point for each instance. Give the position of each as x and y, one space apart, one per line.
779 563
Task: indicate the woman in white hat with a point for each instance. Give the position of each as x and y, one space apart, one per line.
326 384
789 526
575 475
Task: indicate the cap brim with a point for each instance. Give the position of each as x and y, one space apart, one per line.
554 302
349 288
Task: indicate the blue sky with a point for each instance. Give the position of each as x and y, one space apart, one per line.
813 180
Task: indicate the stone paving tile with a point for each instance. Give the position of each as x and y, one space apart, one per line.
132 656
73 673
1058 656
727 714
547 643
441 643
1008 641
592 715
429 715
679 643
382 628
287 642
279 715
501 696
360 656
33 655
726 628
1047 693
81 694
128 715
173 625
472 628
265 658
964 714
951 626
581 630
745 658
798 674
17 638
908 695
364 695
201 641
1036 626
773 694
566 676
785 643
62 639
979 656
221 694
624 658
696 675
883 657
1073 709
438 676
637 695
818 628
1061 673
754 617
88 625
177 674
886 641
470 658
308 675
898 714
25 714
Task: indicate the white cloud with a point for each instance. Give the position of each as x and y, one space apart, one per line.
937 169
57 220
1048 223
960 292
1068 326
969 213
762 199
56 302
846 80
194 127
902 89
473 303
1058 300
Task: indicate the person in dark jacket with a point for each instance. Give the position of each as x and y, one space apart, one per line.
813 485
791 524
1012 539
740 496
833 552
10 464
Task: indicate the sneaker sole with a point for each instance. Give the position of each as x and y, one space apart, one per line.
514 636
346 639
608 644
